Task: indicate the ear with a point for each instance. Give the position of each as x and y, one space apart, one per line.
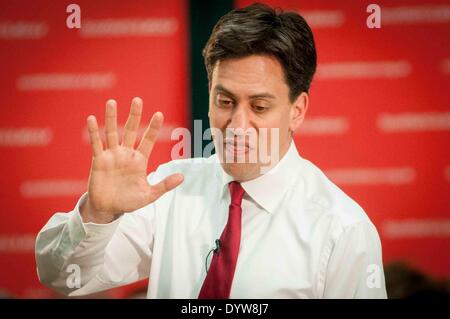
298 111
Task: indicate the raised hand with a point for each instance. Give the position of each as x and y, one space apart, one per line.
118 177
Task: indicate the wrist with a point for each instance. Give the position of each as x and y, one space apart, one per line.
90 215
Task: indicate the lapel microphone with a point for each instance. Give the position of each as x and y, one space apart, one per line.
215 250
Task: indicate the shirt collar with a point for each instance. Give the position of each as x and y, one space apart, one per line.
268 189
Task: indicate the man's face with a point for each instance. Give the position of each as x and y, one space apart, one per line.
249 98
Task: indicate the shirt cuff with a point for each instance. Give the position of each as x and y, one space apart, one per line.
92 230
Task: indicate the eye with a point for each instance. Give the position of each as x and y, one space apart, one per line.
259 108
224 101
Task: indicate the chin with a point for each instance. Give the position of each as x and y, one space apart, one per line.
241 171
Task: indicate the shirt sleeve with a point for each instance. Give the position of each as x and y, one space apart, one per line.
76 258
355 268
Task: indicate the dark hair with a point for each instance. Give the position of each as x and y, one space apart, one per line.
260 29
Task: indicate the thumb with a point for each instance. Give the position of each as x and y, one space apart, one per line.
167 184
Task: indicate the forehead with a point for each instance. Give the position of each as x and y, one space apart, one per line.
250 75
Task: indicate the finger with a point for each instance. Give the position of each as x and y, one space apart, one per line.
132 125
169 183
94 135
112 137
151 133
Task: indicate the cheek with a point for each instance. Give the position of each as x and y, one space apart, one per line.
211 115
277 127
217 118
285 123
274 121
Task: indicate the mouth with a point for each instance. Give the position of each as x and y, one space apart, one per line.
237 148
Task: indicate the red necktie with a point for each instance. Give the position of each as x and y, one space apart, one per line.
219 278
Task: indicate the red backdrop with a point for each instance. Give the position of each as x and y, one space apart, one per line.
378 121
52 78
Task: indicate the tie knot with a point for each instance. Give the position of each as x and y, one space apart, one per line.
236 193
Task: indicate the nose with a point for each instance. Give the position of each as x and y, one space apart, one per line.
240 119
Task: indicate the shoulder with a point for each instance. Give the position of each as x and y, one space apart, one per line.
328 198
339 216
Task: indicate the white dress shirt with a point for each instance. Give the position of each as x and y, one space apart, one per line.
302 237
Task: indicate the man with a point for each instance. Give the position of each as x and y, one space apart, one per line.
231 225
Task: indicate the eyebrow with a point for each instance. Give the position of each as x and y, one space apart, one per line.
221 89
